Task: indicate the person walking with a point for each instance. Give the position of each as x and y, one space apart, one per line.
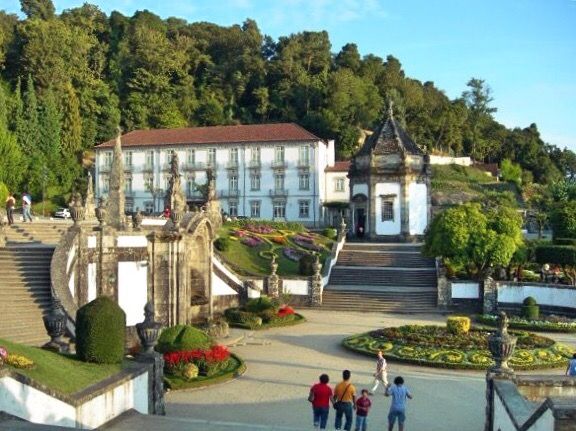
399 394
363 405
10 204
320 396
26 207
344 401
381 374
571 369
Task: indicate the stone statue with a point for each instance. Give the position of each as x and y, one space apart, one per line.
210 181
273 279
89 202
175 199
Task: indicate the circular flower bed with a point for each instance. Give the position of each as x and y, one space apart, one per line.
436 347
262 313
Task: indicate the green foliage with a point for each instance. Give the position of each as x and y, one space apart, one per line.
563 255
529 300
222 244
100 331
458 325
182 337
565 241
306 265
257 305
330 233
563 219
473 238
530 308
511 172
3 192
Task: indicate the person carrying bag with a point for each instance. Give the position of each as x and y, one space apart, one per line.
344 401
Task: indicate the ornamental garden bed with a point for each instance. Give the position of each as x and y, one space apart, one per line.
263 313
53 370
192 359
542 323
436 346
248 246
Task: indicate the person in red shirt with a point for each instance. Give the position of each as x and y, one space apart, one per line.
320 396
363 405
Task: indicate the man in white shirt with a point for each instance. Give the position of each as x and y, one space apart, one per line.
26 206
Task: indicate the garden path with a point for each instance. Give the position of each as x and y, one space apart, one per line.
284 362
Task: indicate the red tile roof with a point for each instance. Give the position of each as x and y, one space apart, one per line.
338 167
281 132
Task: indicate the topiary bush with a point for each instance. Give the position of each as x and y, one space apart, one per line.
458 325
306 265
330 232
222 244
530 308
182 338
257 305
100 331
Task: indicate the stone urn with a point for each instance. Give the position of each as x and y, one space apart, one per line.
501 345
55 324
148 331
77 210
101 212
137 219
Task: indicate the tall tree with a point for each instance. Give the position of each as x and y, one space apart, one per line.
71 123
29 130
11 157
478 99
40 9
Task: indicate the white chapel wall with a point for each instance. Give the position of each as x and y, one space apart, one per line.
391 227
418 207
133 290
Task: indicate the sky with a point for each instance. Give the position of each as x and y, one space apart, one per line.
525 50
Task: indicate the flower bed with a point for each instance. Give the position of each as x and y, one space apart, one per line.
434 346
292 254
251 241
262 313
545 324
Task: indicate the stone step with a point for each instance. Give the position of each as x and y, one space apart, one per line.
384 260
407 302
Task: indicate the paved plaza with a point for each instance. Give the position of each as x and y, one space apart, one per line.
284 362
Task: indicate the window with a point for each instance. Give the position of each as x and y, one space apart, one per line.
211 157
233 183
128 159
190 186
255 156
149 159
303 156
108 158
279 182
233 209
255 182
279 154
191 157
255 209
128 185
279 210
339 184
167 157
149 183
304 209
387 209
304 181
129 206
149 207
234 157
105 183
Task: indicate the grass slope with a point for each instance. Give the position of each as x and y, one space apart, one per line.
63 373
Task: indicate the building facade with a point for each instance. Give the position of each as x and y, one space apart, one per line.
390 186
265 171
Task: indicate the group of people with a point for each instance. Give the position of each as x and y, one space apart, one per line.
345 401
26 207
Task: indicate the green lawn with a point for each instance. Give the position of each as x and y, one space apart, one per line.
255 261
63 373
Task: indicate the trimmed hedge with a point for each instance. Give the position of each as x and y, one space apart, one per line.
182 337
565 241
530 308
531 325
458 324
557 254
100 331
247 320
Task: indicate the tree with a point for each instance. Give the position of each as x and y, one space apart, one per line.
12 165
29 128
38 9
71 123
478 99
563 219
511 172
474 239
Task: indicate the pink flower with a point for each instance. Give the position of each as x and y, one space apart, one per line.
3 353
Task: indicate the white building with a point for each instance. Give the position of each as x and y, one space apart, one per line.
337 193
264 171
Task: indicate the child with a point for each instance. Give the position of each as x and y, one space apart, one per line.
363 405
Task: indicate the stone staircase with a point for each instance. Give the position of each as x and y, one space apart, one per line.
25 281
393 278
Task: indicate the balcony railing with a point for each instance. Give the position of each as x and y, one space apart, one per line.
148 167
128 167
230 193
105 168
304 164
254 164
192 194
232 164
278 193
276 164
196 166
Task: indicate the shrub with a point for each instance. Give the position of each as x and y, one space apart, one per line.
530 308
18 361
330 233
458 325
235 315
181 338
190 371
100 331
222 244
257 305
565 241
306 265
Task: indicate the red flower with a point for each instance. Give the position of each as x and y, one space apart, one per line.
285 311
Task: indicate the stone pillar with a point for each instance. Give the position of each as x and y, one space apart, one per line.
489 295
273 279
316 284
116 200
444 287
404 204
